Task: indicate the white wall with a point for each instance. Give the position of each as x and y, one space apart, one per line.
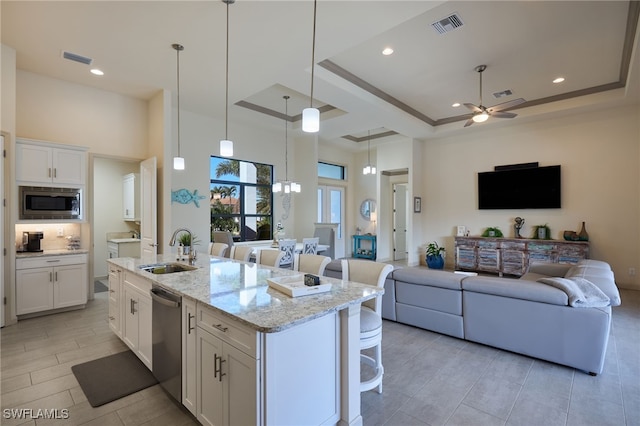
58 111
107 206
599 155
200 137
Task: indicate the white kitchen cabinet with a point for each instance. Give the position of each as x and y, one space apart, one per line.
131 196
49 164
228 372
189 358
50 282
137 317
115 302
123 247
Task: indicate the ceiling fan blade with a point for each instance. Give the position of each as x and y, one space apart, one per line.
473 108
469 122
506 105
503 114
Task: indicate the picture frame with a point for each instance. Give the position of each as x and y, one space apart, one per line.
417 204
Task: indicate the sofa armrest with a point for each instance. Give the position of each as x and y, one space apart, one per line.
549 269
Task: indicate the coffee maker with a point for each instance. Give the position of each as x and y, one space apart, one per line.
31 241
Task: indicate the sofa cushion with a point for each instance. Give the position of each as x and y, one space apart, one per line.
600 274
430 297
429 277
516 289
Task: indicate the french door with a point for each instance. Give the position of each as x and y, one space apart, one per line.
331 210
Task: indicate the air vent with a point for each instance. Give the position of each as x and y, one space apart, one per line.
502 94
77 58
447 24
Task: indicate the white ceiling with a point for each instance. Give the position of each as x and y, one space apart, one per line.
525 44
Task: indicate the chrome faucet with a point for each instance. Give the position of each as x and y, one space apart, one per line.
192 251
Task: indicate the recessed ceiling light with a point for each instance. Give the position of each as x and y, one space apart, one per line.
455 104
387 51
96 71
558 80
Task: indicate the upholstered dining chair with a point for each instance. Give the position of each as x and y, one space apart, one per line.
374 274
310 245
269 257
242 253
310 263
224 237
288 246
218 249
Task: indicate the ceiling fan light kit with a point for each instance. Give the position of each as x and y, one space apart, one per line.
482 113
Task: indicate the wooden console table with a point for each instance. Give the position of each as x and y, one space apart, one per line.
512 256
366 253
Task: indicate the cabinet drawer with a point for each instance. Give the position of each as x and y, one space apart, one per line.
48 261
230 331
139 283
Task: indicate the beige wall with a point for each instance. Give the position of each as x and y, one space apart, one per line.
57 111
599 155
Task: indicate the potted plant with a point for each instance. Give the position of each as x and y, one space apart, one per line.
541 232
492 231
187 241
434 257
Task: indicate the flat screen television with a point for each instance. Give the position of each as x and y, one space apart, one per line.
520 188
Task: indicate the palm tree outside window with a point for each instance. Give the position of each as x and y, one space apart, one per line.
241 199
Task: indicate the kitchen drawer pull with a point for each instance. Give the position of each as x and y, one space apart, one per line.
221 327
53 261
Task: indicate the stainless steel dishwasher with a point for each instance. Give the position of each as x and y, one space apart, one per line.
167 340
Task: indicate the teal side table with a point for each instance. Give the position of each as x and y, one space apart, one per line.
368 251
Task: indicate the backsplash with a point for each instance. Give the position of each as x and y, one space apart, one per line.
50 240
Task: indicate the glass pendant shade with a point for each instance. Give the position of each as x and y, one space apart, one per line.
178 163
482 117
310 120
276 187
373 170
226 148
366 170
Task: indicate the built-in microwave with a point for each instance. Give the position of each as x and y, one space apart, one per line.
39 203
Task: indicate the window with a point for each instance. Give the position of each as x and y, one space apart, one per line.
241 199
331 171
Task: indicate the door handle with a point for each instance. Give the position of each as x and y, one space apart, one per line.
50 277
217 367
189 326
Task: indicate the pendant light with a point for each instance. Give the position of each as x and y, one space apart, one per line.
226 145
311 115
178 162
369 169
286 185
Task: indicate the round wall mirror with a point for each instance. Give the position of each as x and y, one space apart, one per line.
367 207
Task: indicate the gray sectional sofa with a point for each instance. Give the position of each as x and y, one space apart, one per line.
525 315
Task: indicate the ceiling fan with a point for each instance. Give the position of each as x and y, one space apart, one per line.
482 113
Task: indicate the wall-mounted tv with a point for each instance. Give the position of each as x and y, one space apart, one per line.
520 188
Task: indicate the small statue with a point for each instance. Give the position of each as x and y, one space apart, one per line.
518 226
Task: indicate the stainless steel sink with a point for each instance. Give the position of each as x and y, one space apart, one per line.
167 268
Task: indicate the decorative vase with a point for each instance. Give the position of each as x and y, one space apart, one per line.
583 235
435 262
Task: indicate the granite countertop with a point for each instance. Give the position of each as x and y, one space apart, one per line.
23 254
124 240
240 290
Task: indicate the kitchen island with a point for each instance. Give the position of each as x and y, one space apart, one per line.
251 354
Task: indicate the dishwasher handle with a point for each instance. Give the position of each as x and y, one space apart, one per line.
160 297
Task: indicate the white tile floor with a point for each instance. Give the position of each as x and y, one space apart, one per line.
430 379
